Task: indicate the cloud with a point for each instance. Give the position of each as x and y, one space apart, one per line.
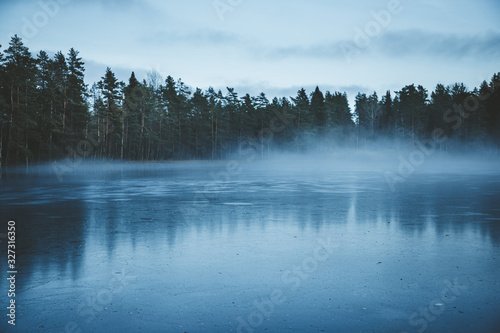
396 45
414 42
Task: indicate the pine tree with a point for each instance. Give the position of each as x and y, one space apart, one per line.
412 111
44 103
113 115
172 104
386 120
234 123
97 124
360 110
76 98
3 105
492 113
250 117
338 111
20 73
262 108
339 117
301 111
440 103
201 124
134 119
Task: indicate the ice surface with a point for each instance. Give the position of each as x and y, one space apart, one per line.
195 248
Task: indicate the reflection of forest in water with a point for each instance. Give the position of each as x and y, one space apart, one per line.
61 224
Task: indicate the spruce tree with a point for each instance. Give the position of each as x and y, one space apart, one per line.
318 109
77 98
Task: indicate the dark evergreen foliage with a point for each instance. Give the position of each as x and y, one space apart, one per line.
47 112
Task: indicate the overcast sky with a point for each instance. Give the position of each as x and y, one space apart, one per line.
272 46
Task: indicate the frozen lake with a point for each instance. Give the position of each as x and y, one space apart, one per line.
221 247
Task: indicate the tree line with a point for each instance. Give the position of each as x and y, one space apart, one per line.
47 112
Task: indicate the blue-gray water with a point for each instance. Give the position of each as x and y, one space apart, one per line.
218 247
